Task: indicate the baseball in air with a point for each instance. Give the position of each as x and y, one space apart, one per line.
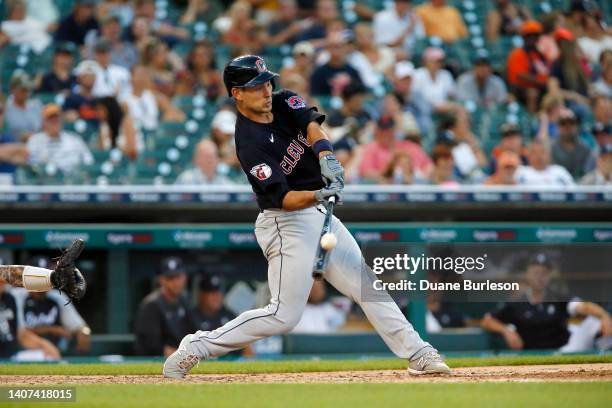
328 241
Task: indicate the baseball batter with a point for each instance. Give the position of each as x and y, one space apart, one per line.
290 164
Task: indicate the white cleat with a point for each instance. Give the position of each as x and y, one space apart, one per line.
179 363
428 363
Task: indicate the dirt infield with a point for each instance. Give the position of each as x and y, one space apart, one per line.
565 372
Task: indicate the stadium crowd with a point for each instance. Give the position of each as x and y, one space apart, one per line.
416 92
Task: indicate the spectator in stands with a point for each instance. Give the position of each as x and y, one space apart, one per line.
234 27
22 30
569 75
80 103
11 153
45 12
595 38
602 133
538 323
442 173
56 147
60 79
320 315
550 113
163 66
222 134
210 313
318 27
162 28
603 86
74 27
402 82
123 53
164 317
547 44
206 167
124 9
527 68
378 153
481 86
504 175
201 75
435 84
117 128
140 33
540 172
144 105
399 170
352 109
574 16
331 77
22 113
407 125
286 26
512 141
602 175
51 316
398 26
200 11
303 63
13 333
601 107
441 20
505 19
568 150
372 61
111 79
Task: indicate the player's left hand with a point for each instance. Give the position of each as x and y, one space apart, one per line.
331 169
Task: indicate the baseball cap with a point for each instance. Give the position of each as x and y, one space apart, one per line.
404 69
303 47
64 48
481 60
210 283
87 67
540 259
385 122
599 127
508 159
171 266
531 27
102 45
564 34
352 89
509 129
20 79
433 54
51 109
225 121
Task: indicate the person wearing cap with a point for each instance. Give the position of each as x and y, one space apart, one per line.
75 26
55 146
371 60
207 167
330 78
164 316
377 154
123 53
21 112
51 316
435 84
536 322
481 86
111 79
505 19
569 150
442 21
80 103
222 130
210 312
569 73
512 141
303 63
23 30
402 84
539 171
398 26
507 163
61 78
527 69
602 174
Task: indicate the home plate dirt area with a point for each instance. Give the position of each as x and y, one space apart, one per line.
530 373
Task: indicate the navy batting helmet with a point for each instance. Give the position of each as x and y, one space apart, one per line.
246 71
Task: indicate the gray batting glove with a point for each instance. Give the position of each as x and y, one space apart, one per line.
331 169
334 189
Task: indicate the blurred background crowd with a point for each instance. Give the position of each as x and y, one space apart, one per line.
434 92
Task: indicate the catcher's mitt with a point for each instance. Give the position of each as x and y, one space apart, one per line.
66 277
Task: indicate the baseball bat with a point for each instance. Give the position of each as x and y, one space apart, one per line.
322 254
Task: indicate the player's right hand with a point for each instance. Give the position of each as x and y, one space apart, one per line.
331 169
334 189
514 340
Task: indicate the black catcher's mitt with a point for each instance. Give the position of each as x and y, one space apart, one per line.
66 277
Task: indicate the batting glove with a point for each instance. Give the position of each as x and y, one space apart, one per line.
331 169
334 189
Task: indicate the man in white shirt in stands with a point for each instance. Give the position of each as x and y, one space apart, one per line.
55 146
540 172
205 168
435 84
111 79
397 26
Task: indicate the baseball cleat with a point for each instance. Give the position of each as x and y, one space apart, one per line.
428 363
179 363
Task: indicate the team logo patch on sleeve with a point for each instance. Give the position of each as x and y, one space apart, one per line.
261 171
295 102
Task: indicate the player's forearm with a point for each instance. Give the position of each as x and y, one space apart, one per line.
591 309
316 133
298 200
489 323
12 274
32 278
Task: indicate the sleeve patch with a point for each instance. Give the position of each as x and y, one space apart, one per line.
261 171
295 102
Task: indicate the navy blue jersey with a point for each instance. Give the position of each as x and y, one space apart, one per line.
8 324
276 156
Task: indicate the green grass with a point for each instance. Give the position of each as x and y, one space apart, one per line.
285 366
471 395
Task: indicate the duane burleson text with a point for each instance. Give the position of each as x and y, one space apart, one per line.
424 284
